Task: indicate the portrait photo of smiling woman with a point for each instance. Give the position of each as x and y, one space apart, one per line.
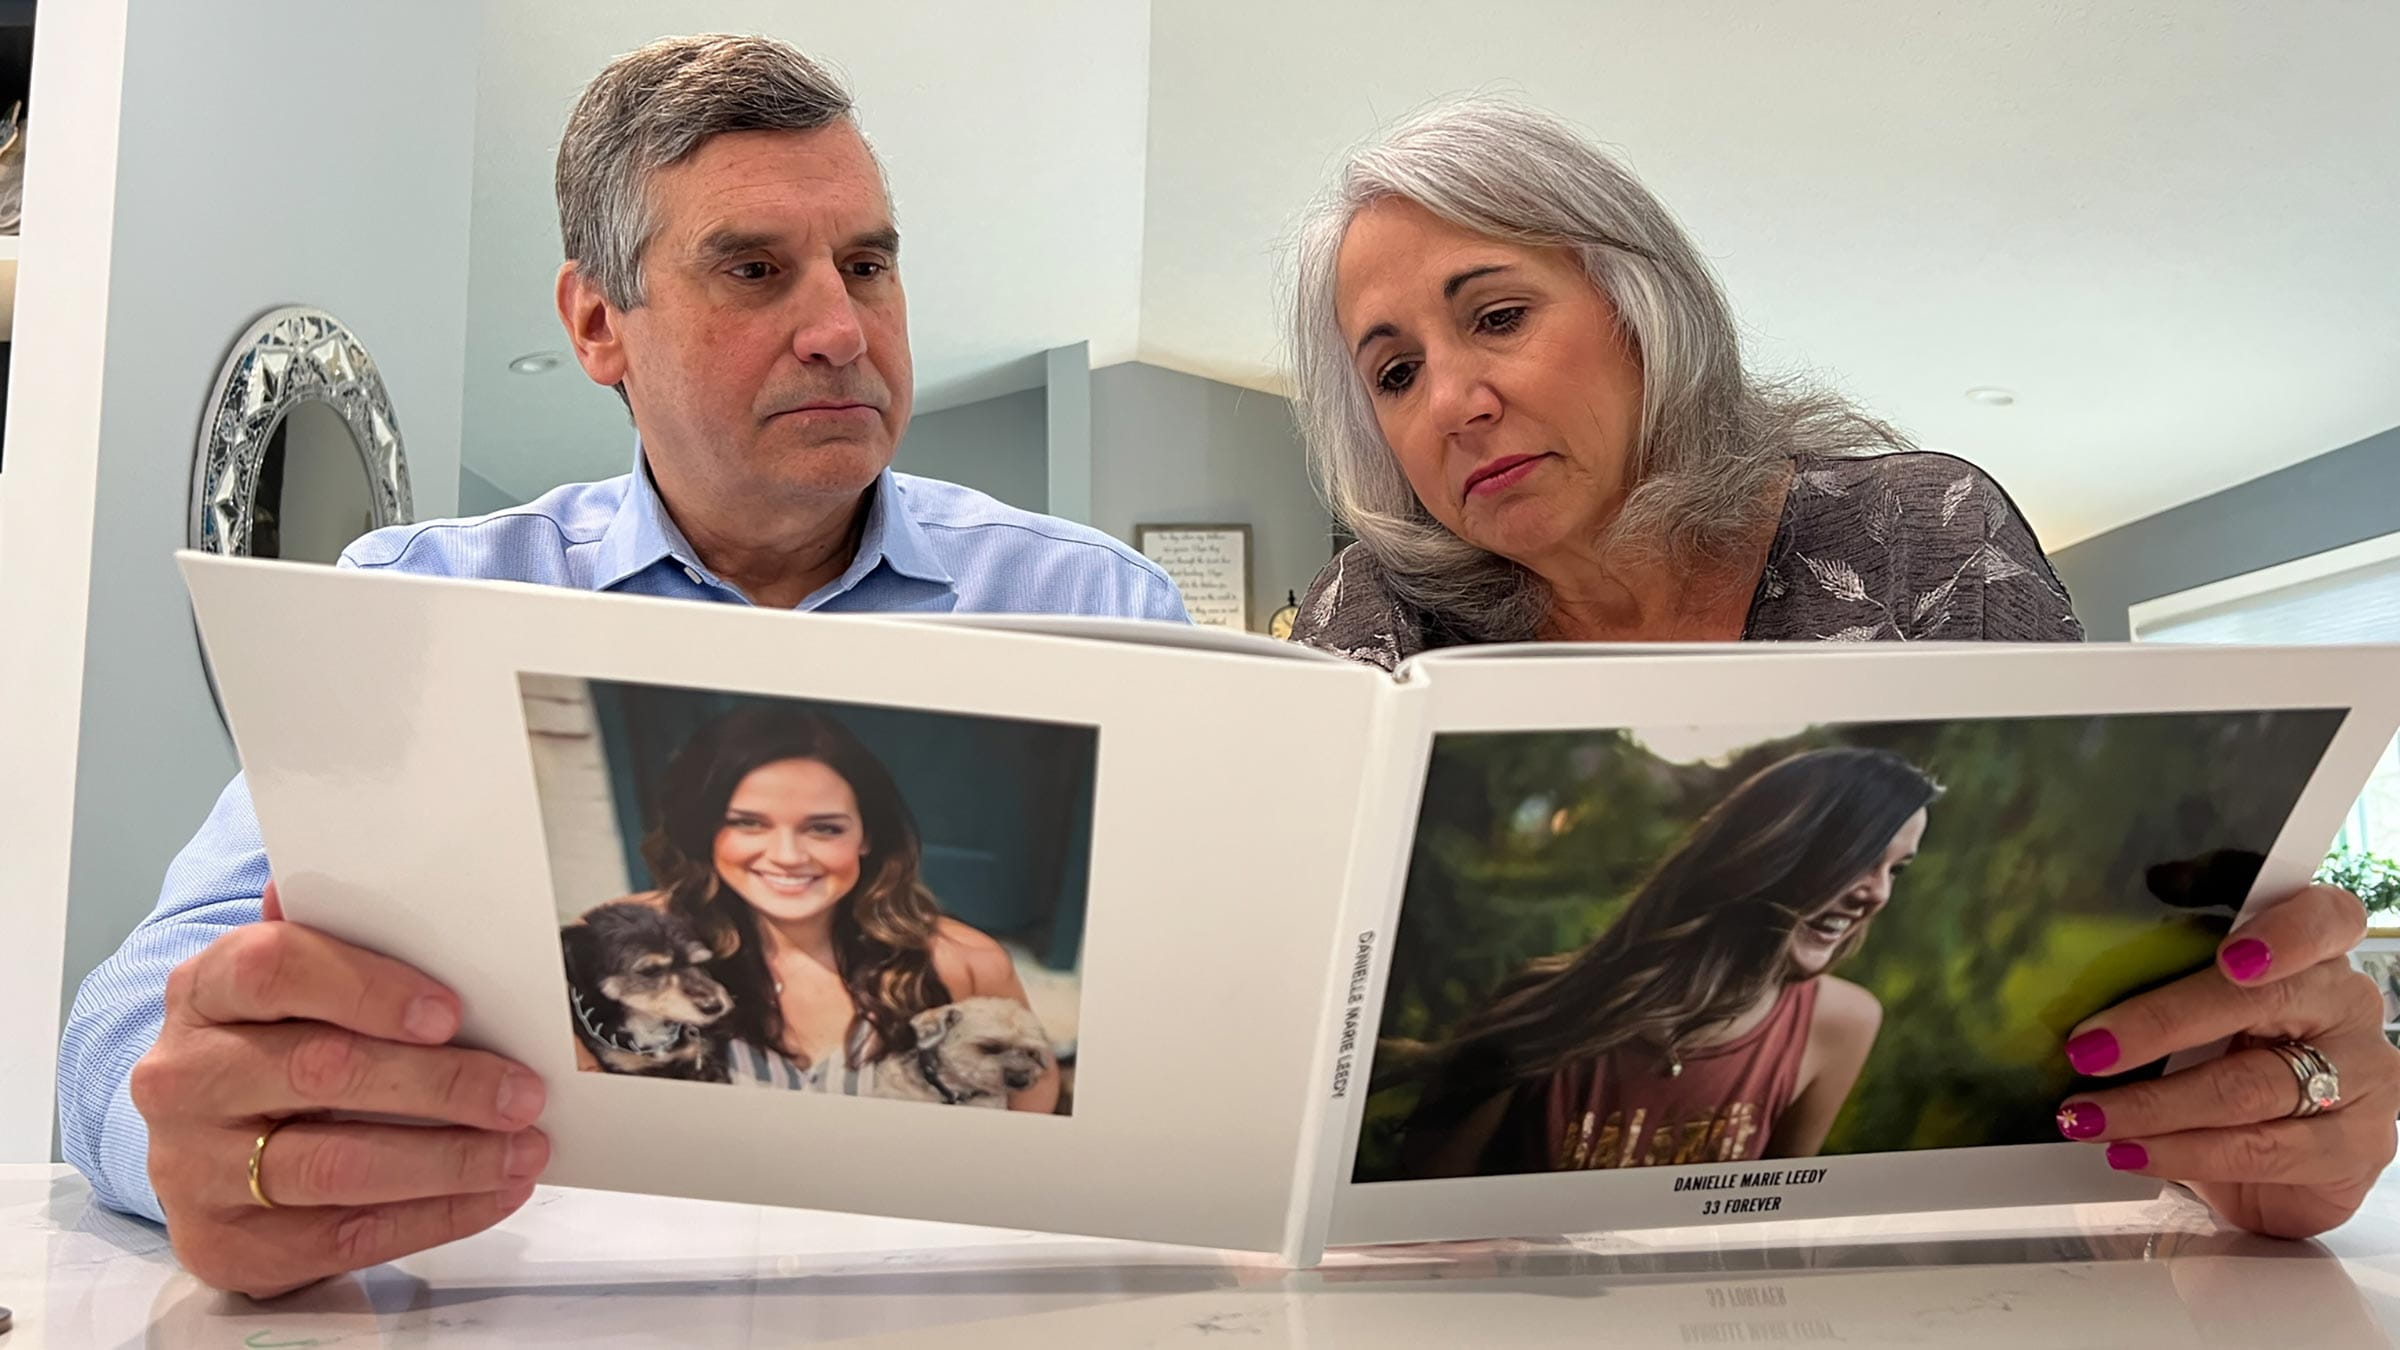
1676 946
795 915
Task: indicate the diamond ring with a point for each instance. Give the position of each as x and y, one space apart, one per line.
2320 1085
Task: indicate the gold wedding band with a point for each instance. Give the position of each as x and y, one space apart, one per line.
258 1154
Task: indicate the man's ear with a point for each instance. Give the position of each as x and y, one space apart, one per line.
592 326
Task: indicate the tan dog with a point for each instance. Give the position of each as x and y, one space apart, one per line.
970 1053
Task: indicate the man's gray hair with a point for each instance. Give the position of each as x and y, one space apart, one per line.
1713 437
654 107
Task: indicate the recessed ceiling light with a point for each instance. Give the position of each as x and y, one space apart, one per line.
1991 395
534 363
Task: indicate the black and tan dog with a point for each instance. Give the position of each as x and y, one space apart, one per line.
644 1000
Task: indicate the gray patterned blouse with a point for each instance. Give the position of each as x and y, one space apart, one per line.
1899 547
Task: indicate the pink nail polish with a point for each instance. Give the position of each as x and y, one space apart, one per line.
2246 959
2092 1052
2081 1120
2127 1156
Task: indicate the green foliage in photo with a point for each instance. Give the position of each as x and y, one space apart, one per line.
2069 863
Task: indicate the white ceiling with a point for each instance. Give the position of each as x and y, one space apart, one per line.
2168 226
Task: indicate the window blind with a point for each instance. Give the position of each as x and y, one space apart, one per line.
2359 605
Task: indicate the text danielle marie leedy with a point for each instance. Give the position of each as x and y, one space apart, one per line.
1728 1181
1352 1010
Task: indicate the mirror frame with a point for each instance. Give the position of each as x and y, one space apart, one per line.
291 355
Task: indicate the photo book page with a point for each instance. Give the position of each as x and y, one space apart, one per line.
1095 927
927 920
1805 934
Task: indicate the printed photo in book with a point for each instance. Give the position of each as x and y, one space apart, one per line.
813 896
1683 946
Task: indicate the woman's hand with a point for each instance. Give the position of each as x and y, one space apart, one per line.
2228 1127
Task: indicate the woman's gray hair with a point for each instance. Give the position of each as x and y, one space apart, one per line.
1713 437
654 107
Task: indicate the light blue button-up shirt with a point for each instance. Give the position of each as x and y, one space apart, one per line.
927 546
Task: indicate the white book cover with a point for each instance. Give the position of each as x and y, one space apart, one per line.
1238 945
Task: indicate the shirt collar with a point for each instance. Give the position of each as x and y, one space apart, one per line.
641 534
896 539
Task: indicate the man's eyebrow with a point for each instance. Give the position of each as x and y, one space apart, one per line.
883 239
732 242
727 241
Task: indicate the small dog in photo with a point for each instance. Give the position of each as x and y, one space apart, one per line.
644 1000
970 1053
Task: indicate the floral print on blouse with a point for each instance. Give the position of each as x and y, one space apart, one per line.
1907 547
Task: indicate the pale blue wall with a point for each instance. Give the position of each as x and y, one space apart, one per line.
998 445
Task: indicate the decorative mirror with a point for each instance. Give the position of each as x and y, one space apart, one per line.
299 452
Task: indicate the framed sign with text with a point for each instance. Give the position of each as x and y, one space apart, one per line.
1210 564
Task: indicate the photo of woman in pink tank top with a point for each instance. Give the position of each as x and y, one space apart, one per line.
1698 946
1703 1025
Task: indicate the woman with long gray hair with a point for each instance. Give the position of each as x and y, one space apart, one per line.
1523 393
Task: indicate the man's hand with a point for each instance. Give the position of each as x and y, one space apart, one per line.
278 1022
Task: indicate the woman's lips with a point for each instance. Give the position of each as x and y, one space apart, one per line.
1502 474
1835 926
788 885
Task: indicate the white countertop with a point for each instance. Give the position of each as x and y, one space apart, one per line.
590 1268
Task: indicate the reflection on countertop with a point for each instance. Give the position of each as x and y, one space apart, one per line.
592 1268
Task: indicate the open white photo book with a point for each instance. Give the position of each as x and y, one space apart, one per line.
1133 930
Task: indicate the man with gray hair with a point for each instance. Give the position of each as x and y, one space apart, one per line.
732 271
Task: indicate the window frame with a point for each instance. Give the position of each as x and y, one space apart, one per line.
2184 604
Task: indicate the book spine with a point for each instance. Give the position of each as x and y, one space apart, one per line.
1391 783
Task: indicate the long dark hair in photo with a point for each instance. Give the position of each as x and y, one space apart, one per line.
1706 934
882 931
